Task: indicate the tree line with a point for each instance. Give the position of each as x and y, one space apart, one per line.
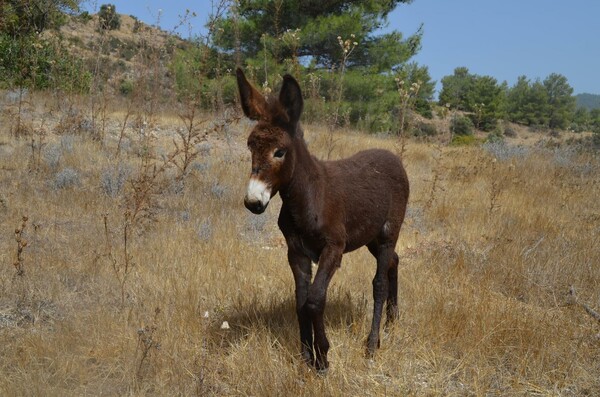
547 103
352 73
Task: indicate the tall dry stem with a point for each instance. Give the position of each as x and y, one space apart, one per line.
347 46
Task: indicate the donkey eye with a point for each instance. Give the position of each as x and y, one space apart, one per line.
279 153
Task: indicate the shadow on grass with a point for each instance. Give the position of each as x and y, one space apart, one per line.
278 318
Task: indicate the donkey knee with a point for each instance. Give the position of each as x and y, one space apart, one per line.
313 307
380 287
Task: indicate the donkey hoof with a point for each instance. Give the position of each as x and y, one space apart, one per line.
323 372
372 346
322 366
309 359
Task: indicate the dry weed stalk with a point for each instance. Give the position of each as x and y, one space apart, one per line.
139 209
139 203
496 187
435 187
37 144
123 127
21 244
189 137
122 269
408 98
347 46
147 342
98 88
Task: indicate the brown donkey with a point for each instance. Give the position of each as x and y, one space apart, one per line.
329 208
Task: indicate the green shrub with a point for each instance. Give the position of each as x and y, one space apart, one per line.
41 63
464 140
126 87
84 17
108 17
495 136
461 125
424 129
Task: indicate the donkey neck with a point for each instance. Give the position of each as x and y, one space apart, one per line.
301 193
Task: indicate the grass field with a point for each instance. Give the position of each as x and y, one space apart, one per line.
494 239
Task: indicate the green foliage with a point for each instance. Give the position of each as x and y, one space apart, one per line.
108 17
456 88
40 63
424 129
464 140
549 103
126 87
319 24
25 17
85 17
481 96
412 73
546 104
461 125
561 103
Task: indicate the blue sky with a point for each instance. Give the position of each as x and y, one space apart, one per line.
502 39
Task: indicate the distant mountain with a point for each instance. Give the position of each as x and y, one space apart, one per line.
588 101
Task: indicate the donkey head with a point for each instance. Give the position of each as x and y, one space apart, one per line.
271 139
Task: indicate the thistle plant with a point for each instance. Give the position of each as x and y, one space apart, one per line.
347 46
408 96
291 39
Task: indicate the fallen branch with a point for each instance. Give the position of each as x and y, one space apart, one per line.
586 307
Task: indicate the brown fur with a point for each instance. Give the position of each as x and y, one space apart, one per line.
329 208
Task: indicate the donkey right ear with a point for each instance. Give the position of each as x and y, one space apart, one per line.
253 103
290 97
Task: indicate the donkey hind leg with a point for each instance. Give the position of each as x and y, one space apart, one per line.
302 270
391 308
384 254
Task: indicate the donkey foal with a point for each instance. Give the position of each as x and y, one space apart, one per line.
328 208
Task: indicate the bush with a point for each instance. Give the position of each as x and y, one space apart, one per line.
85 17
66 178
461 125
41 63
509 131
423 129
464 140
113 179
108 17
501 151
126 87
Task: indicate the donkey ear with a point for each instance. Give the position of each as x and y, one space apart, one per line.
290 97
253 102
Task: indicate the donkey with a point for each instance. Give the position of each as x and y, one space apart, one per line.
328 208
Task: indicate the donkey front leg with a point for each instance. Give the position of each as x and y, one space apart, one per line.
301 268
329 261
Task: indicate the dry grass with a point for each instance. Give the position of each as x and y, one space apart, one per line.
485 273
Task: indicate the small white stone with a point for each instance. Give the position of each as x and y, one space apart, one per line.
225 325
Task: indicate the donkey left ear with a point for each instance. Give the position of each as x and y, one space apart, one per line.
290 97
253 102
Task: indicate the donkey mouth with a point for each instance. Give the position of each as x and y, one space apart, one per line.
256 207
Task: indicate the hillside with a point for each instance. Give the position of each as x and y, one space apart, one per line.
123 54
130 266
588 101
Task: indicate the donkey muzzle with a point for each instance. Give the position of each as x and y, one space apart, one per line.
258 196
256 207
